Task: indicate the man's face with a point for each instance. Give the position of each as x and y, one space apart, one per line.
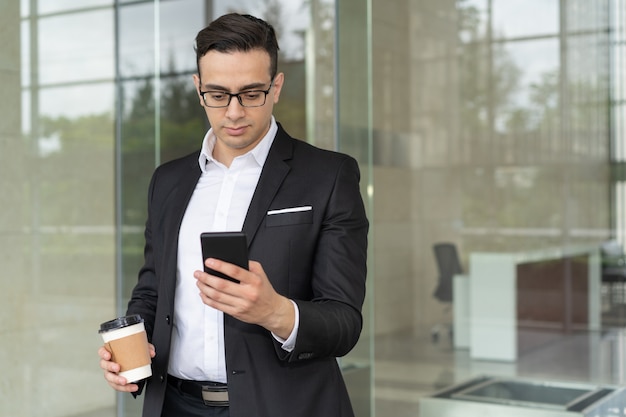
238 129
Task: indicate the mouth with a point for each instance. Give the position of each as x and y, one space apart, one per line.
235 130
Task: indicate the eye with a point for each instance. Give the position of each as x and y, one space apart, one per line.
217 96
251 95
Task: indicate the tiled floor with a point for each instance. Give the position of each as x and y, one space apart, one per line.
409 365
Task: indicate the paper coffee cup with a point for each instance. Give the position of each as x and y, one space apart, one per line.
125 338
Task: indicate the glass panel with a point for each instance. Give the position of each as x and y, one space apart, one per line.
72 233
511 18
55 6
65 57
79 100
474 19
583 16
497 143
525 101
136 43
535 81
353 37
25 53
138 153
24 7
180 22
58 234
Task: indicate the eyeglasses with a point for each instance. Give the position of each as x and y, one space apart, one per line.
249 98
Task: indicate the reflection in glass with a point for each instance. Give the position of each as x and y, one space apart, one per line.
76 47
136 46
77 100
64 235
180 21
473 18
511 18
25 53
47 6
536 62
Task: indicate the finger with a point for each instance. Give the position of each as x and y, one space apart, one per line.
216 298
231 270
119 383
109 366
104 354
125 388
215 287
255 267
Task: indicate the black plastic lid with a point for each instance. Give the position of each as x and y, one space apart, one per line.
120 322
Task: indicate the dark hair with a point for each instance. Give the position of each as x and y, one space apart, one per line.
238 32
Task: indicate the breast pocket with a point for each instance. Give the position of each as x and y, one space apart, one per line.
289 216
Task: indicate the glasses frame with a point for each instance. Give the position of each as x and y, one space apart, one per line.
238 95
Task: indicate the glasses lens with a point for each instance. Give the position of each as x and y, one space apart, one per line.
216 99
252 98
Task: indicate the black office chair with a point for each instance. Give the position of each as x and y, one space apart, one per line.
448 265
613 271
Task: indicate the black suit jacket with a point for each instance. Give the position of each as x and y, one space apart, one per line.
317 258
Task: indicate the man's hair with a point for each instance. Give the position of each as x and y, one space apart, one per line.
235 32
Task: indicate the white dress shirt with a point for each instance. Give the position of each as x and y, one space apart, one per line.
219 203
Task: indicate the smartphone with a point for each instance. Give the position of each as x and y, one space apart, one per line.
231 247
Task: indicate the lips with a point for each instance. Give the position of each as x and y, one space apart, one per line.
235 131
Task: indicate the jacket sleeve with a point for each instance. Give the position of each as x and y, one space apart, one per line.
143 299
331 322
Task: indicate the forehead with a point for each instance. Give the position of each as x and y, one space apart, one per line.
234 69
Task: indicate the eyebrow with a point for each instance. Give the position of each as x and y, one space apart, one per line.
252 86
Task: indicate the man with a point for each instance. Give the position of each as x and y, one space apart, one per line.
269 341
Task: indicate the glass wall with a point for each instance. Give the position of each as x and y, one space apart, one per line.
491 131
57 225
495 125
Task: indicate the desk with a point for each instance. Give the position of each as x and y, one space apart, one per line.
549 288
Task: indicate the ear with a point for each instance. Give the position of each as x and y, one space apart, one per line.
278 85
196 82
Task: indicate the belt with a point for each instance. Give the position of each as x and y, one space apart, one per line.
214 394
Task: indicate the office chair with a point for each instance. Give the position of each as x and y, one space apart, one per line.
613 269
448 265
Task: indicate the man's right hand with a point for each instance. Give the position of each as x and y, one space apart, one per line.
112 369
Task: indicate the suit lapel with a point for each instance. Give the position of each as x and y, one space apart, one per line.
178 201
272 176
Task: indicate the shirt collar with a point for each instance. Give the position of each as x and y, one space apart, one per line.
259 152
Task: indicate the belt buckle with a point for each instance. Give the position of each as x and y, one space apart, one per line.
215 396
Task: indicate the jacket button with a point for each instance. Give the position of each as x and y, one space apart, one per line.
167 319
161 378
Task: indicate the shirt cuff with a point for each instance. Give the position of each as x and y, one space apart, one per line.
290 343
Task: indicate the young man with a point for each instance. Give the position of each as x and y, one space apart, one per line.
265 346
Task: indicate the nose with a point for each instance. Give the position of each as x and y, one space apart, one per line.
234 110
